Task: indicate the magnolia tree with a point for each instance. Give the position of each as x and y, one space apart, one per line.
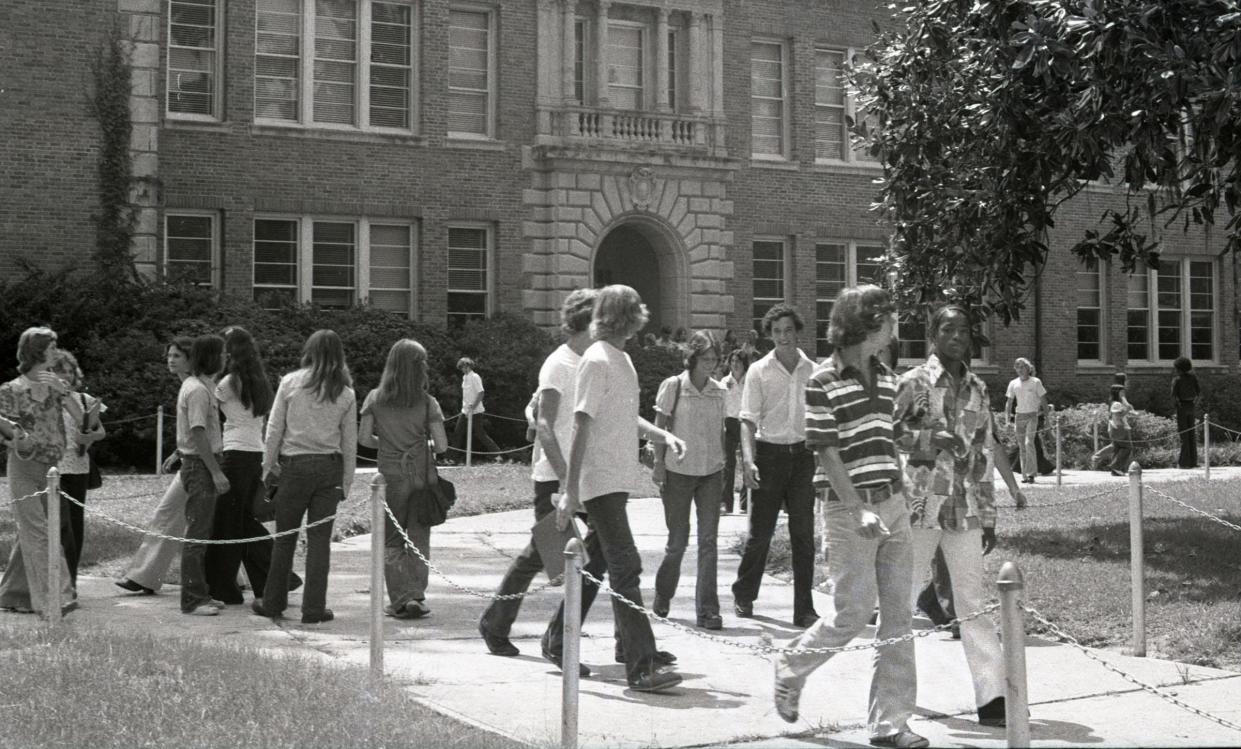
989 115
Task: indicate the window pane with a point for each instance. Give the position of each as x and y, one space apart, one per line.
624 59
336 56
189 248
579 61
911 330
275 261
469 72
1201 310
1168 304
192 56
830 275
869 270
767 98
467 273
1089 314
1138 339
277 51
391 285
830 134
391 65
768 275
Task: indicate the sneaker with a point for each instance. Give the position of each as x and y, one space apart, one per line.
133 587
905 739
415 610
787 695
555 658
994 713
711 621
744 610
660 658
203 609
257 607
655 681
219 604
69 608
806 620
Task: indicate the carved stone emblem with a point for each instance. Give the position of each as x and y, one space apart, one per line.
642 186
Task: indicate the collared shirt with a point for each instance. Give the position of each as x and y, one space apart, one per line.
773 399
36 408
845 413
471 388
948 489
303 424
197 407
696 416
732 396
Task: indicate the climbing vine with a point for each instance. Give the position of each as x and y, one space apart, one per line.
114 223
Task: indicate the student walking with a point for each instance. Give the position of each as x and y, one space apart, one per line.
1186 392
777 466
849 407
472 403
1120 431
1027 399
739 360
691 406
400 419
74 465
311 450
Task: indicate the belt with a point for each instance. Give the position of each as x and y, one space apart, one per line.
793 448
309 456
871 495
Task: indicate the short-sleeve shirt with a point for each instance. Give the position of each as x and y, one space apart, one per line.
197 407
36 408
557 375
698 419
243 430
732 396
403 433
773 399
471 387
1028 394
606 390
842 412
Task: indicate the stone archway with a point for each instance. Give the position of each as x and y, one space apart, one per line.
640 253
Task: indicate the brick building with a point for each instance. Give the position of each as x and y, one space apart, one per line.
445 159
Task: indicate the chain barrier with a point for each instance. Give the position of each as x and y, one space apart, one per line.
128 420
206 541
1203 513
499 452
409 544
13 501
1069 639
1225 429
1073 500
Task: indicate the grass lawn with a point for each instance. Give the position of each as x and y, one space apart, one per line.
71 687
1075 559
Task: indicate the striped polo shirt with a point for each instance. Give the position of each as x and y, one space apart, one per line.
842 413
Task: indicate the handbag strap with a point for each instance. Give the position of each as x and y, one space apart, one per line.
85 422
676 399
429 477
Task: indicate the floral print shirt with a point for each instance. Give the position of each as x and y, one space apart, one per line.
36 408
951 489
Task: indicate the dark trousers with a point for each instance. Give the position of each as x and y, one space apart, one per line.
199 515
596 565
460 431
310 486
732 443
234 518
499 617
786 480
1189 436
73 533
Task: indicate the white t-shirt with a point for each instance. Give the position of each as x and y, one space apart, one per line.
732 396
557 375
471 388
607 391
242 429
1028 394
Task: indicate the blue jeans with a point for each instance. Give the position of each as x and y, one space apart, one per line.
499 617
404 573
310 487
199 519
1026 426
678 492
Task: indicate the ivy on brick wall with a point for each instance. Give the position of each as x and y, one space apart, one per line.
114 222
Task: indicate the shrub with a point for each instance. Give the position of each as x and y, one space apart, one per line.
654 365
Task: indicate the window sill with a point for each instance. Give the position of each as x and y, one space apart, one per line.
869 168
338 134
777 164
475 144
1091 367
1146 367
172 122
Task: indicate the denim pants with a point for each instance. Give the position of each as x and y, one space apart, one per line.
962 552
499 617
154 555
596 565
1185 420
679 491
24 585
234 518
732 443
404 573
309 487
1122 449
786 476
199 518
461 431
1026 426
860 567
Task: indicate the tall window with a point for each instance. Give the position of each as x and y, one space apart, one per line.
470 78
1090 314
1162 325
768 99
194 58
333 263
837 265
190 247
315 64
625 56
672 71
831 135
768 278
580 40
469 248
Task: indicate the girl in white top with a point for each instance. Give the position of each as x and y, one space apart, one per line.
74 465
733 383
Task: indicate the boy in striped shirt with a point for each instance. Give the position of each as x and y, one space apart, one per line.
849 405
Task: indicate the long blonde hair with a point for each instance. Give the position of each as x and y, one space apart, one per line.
404 380
324 355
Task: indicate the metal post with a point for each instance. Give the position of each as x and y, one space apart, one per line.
1206 445
1059 452
55 555
1137 564
1094 433
159 440
378 518
469 439
1012 624
571 652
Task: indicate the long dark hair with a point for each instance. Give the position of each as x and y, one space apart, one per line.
207 355
324 356
249 379
404 380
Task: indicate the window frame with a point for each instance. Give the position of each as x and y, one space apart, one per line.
362 76
850 155
756 321
488 294
217 72
785 96
644 53
492 14
583 64
214 273
1185 312
851 279
1101 268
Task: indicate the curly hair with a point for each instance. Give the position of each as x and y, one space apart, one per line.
779 311
618 311
699 344
857 312
578 308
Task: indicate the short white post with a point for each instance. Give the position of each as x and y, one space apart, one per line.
1094 433
1137 564
1206 445
378 518
571 648
55 555
1012 625
1059 451
159 440
469 439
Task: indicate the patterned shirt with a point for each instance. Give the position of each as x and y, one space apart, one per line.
947 489
35 407
844 413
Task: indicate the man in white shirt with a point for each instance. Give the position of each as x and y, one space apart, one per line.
472 404
777 467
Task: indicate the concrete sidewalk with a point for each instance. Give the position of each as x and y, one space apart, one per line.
725 699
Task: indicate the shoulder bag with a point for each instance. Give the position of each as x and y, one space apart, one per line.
438 496
94 479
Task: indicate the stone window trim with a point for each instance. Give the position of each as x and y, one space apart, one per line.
178 104
179 226
491 92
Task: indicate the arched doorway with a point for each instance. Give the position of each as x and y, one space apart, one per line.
642 256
